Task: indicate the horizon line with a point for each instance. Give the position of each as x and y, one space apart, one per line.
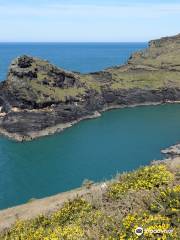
74 42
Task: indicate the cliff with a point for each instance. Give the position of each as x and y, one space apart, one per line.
39 98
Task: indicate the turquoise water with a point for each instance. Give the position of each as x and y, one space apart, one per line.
96 149
120 140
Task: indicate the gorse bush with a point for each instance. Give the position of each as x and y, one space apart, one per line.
163 218
143 178
60 225
71 211
76 220
79 219
168 203
150 223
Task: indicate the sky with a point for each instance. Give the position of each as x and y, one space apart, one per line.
88 20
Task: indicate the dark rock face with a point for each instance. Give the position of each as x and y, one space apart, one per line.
28 74
102 76
24 122
25 62
62 79
109 97
38 96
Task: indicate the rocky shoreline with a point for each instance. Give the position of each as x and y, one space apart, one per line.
63 126
47 131
172 151
40 99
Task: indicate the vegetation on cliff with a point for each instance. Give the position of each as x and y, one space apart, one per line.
148 197
38 95
156 67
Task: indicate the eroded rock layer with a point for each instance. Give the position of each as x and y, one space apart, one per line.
39 98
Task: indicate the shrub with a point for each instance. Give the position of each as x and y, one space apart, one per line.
79 220
168 203
143 178
62 224
87 183
150 223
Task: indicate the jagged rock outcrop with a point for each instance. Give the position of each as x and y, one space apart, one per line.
172 151
39 98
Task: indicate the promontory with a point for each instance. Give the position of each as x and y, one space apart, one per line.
39 99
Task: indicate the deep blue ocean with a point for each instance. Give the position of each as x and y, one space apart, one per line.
121 140
81 57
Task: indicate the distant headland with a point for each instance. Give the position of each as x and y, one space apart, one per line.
39 99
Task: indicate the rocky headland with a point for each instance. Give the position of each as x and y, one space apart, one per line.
39 99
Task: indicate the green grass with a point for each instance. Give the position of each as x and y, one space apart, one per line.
156 68
90 83
56 93
145 79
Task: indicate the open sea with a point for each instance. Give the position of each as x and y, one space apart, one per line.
121 140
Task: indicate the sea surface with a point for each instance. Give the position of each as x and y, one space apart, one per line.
81 57
121 140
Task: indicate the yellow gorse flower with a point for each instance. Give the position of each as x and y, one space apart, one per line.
144 178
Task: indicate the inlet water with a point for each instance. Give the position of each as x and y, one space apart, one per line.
121 140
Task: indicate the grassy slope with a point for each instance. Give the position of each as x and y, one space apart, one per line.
155 68
148 197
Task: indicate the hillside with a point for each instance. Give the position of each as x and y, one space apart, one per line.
148 197
39 98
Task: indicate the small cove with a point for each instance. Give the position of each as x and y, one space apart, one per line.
121 140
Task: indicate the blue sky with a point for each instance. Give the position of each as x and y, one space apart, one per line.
87 20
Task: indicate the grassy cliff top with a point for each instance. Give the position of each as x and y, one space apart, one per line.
157 67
